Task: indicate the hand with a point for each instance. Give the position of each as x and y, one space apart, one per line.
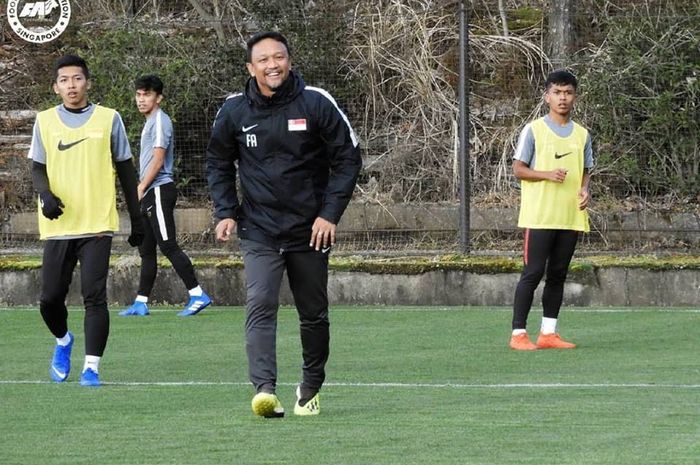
224 229
583 198
51 206
558 175
322 234
140 191
137 234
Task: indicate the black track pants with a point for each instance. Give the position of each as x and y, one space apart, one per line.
60 258
545 250
157 210
308 280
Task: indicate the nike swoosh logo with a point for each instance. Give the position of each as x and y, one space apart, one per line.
325 249
62 146
59 373
557 156
246 129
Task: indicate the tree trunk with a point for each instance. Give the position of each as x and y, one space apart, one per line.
215 22
504 18
561 34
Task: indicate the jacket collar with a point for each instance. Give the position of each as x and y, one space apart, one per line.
289 90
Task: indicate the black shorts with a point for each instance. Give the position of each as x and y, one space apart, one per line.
157 207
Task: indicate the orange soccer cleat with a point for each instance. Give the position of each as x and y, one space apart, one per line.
553 341
521 342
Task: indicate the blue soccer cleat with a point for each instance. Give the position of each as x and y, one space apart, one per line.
90 378
60 363
196 305
136 309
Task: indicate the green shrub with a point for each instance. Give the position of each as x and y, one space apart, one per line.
641 100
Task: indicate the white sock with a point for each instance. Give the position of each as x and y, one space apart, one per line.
549 325
519 331
92 362
196 292
63 341
141 298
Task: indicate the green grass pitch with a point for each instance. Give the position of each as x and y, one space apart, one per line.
404 386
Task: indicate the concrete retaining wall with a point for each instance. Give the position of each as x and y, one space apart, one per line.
602 287
620 226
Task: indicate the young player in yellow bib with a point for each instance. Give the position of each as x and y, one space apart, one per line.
77 148
553 160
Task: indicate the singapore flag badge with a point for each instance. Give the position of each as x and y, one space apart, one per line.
296 124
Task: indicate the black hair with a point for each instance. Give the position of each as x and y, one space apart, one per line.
70 60
149 82
265 35
560 77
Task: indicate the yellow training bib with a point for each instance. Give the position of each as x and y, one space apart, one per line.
551 205
81 173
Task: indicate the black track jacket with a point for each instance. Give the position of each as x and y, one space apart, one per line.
298 159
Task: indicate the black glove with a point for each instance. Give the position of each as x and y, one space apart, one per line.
51 206
137 234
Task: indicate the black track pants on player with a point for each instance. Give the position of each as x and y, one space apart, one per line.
545 250
308 281
157 210
60 258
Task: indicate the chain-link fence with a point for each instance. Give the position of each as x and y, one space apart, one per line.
393 68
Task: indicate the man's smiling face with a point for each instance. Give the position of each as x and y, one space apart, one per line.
270 65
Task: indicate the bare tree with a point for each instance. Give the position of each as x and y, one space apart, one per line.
214 19
561 38
504 19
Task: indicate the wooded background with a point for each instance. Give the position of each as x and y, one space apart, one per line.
393 67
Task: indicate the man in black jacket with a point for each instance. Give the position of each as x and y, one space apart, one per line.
298 161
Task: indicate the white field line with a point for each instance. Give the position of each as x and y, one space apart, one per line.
510 309
391 385
174 310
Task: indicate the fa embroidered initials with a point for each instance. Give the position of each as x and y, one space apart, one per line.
251 140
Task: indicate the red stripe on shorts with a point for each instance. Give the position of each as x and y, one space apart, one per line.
525 246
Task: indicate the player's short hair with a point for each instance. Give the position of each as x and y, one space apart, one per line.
561 77
265 35
149 82
70 60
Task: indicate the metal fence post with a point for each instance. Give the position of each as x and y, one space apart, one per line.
464 185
